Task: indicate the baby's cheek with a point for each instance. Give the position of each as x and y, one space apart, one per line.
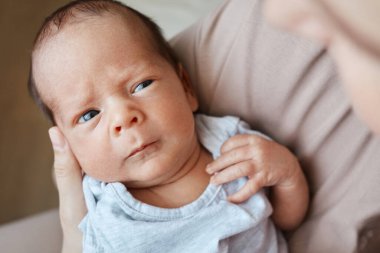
102 169
95 162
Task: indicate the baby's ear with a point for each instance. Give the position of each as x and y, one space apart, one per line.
185 79
186 82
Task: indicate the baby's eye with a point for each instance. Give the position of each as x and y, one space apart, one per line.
142 86
87 116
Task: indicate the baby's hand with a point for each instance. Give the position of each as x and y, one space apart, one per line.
264 162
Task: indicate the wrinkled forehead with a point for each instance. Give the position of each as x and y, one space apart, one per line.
79 43
74 15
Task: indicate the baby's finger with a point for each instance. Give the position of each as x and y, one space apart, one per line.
241 140
233 172
249 189
235 142
229 158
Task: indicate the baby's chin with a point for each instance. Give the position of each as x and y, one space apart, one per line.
106 178
150 173
121 178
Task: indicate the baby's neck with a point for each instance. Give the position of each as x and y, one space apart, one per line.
183 190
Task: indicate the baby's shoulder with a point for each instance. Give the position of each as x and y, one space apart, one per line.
227 124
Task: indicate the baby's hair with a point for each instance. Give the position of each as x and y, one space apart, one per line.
75 11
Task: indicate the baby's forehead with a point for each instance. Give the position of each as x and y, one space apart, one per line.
79 37
57 38
115 17
63 58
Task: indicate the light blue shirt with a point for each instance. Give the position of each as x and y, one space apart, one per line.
117 222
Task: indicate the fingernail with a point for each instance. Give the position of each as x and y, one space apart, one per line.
230 199
208 169
213 180
56 139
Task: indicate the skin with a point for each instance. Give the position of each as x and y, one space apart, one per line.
349 31
125 110
113 92
122 118
266 164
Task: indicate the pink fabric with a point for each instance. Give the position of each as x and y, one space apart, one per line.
288 88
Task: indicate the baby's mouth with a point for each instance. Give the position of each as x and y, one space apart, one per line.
139 149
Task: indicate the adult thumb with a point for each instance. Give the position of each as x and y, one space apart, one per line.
68 175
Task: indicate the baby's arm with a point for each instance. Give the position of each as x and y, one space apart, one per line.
265 163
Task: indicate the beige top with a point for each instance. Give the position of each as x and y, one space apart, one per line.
288 88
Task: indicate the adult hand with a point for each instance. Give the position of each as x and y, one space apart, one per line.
68 175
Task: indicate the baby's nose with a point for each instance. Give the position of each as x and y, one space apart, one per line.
124 117
128 123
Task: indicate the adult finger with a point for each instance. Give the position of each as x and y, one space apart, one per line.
68 177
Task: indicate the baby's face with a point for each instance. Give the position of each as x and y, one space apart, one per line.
121 106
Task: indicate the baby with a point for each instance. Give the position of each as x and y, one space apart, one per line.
106 77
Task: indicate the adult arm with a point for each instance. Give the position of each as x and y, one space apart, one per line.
288 88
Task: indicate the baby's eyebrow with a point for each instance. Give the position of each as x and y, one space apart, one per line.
71 107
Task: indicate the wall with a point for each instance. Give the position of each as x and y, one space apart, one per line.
25 155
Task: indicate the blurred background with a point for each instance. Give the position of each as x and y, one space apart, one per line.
26 158
26 185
